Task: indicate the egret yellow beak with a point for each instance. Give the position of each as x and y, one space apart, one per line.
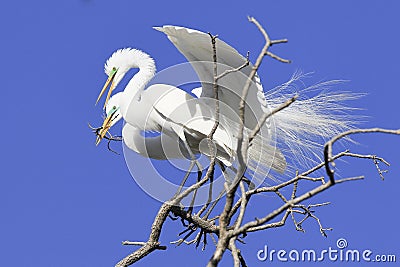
109 80
106 124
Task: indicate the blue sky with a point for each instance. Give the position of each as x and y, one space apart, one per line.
66 202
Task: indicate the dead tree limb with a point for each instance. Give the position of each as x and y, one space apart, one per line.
232 226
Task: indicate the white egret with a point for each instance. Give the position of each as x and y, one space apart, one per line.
167 109
171 110
159 147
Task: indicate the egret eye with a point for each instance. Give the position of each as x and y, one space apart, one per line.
113 72
114 107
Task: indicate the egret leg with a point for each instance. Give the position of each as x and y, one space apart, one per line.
192 163
193 158
205 217
205 206
226 176
249 183
199 172
229 180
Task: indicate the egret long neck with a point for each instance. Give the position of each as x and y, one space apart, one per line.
138 82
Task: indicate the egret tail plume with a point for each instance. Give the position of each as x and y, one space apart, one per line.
303 127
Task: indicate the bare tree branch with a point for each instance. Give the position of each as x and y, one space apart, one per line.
329 144
230 225
264 118
241 150
153 242
226 72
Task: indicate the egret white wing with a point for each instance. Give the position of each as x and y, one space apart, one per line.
196 47
175 112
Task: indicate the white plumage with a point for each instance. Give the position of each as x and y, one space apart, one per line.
182 118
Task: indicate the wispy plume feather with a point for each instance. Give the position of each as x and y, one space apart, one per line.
317 115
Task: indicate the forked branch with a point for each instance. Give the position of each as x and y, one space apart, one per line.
230 225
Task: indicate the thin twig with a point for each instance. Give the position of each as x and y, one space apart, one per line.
265 116
329 144
226 72
375 160
136 243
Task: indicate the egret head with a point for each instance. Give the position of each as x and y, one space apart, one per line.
113 115
115 68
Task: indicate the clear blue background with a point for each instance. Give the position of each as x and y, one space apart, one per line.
66 202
